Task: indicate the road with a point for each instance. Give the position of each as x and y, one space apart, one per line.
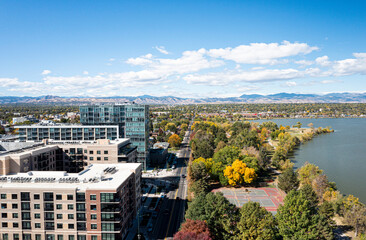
172 210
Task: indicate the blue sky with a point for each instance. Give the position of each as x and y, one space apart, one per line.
186 48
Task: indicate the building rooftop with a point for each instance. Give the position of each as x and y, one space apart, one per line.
17 147
97 176
65 125
161 145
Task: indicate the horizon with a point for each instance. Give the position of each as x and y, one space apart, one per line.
188 50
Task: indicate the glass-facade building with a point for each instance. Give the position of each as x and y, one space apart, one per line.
132 120
67 132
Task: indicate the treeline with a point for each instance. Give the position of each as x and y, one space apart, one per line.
320 199
242 154
7 111
280 109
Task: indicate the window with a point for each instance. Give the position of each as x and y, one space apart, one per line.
70 206
80 207
58 197
38 237
4 224
26 216
48 196
59 216
36 196
93 197
16 236
14 206
93 216
71 226
25 196
98 152
60 237
94 237
107 197
105 158
37 206
70 216
94 226
5 236
15 225
81 237
50 237
37 225
15 215
26 225
49 216
108 236
105 152
59 226
99 158
25 206
4 206
85 151
37 215
27 236
71 237
70 197
4 215
91 152
3 196
91 158
14 196
93 207
58 206
80 197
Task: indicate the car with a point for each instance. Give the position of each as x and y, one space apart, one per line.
183 176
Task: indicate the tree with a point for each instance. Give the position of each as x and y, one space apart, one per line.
174 140
288 181
219 214
193 229
297 219
198 171
199 187
256 223
239 173
356 217
308 173
310 195
320 185
171 127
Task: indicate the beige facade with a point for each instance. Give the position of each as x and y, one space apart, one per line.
96 204
71 156
37 157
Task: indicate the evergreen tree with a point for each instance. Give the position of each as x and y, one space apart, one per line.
288 181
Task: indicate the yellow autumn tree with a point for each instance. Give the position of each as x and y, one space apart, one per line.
174 140
207 161
238 173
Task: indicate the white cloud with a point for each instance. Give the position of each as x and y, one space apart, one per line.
112 59
224 78
291 84
85 72
350 66
162 50
323 61
46 72
304 62
143 60
261 53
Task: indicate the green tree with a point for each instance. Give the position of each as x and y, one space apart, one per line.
199 187
288 181
297 219
197 171
219 214
308 173
310 195
256 223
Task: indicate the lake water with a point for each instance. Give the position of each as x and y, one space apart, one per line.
342 154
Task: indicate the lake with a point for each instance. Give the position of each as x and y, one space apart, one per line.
342 154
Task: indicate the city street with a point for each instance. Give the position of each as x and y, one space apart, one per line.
172 210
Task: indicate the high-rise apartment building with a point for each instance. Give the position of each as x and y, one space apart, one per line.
70 156
132 120
98 203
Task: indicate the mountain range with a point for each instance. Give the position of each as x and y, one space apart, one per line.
345 97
